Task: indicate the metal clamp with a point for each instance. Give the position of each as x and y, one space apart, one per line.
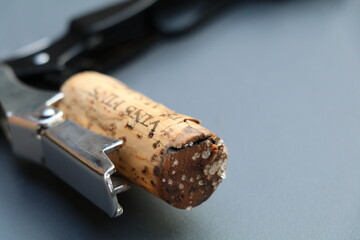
39 133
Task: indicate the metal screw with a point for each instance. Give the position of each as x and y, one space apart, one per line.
48 112
41 58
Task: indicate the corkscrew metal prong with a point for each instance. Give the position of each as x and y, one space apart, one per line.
38 132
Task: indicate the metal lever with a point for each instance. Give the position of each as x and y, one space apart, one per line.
39 133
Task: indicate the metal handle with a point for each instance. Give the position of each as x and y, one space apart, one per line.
39 133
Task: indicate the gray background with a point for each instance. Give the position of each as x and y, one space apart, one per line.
278 81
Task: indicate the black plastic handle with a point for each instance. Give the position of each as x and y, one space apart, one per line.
102 39
84 44
117 23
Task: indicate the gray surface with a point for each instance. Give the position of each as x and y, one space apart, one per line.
278 81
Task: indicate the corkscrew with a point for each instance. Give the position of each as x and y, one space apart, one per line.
97 41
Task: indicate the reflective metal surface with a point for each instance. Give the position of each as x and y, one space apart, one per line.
38 132
78 157
20 104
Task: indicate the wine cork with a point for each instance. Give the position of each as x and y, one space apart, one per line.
169 154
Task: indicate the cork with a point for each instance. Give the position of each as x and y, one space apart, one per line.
169 154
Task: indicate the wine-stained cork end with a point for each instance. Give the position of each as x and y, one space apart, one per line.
192 173
169 154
